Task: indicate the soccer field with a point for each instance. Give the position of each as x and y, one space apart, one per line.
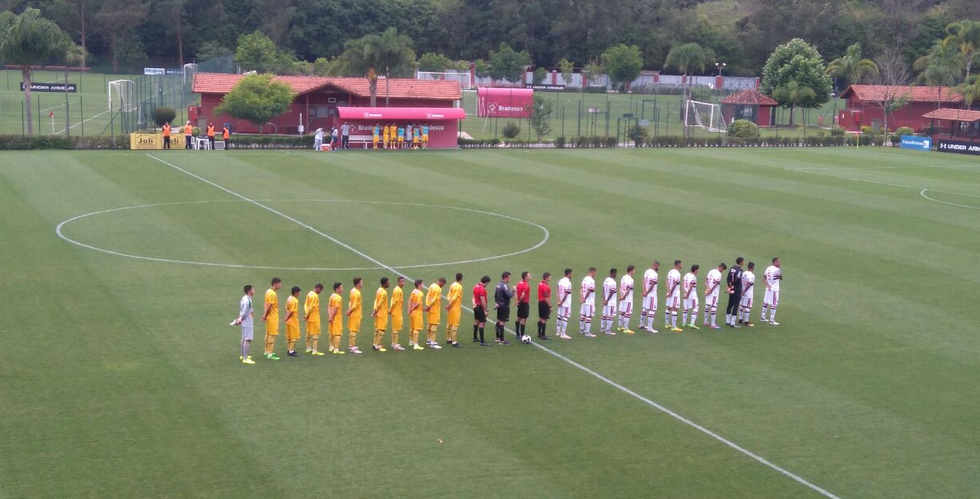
120 374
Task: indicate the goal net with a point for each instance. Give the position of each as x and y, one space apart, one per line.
704 115
189 71
121 96
462 78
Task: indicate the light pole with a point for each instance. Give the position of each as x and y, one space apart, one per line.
720 66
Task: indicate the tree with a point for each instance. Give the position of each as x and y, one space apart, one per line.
593 70
941 66
540 119
212 50
256 52
481 68
901 17
539 75
970 91
623 63
163 115
965 34
508 64
78 17
567 69
388 53
851 66
256 98
73 55
687 58
893 77
119 19
29 40
174 11
796 62
431 61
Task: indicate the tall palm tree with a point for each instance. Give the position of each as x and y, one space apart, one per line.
74 55
687 58
970 91
388 53
965 34
851 66
941 66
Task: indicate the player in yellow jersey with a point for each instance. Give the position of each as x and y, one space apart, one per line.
415 315
292 321
354 316
335 318
376 135
454 310
311 309
395 311
385 135
271 318
380 315
433 308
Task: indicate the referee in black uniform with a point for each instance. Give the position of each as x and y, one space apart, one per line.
734 292
501 298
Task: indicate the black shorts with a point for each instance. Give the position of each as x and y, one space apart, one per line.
503 313
523 310
480 314
544 311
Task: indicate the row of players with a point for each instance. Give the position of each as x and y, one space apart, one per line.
739 287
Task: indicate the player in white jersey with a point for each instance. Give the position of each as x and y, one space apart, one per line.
244 319
649 311
691 297
626 300
748 292
587 310
564 304
773 275
673 297
609 303
712 285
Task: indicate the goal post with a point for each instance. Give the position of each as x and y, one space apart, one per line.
704 115
121 96
463 78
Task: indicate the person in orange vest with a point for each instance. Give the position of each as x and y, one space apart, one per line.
188 136
166 135
225 135
211 135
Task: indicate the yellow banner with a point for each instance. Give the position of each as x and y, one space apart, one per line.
154 141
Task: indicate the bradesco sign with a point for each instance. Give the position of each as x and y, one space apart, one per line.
504 102
916 143
959 146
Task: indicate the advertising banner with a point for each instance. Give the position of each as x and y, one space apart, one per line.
504 102
959 146
916 143
50 87
546 88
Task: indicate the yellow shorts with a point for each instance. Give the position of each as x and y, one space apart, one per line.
452 318
434 318
313 328
396 322
292 331
375 139
354 324
337 328
381 322
415 322
425 138
272 326
415 139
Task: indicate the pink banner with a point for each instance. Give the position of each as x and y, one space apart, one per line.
504 102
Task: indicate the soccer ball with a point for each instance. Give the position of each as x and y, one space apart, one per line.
526 339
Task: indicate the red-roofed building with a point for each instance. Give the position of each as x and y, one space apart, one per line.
955 124
864 105
317 100
749 105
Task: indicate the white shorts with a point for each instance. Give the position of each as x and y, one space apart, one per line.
691 303
564 312
247 333
587 310
674 300
772 298
626 307
746 301
609 310
650 302
711 300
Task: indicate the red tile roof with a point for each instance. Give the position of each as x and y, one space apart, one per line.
749 97
878 93
402 88
946 113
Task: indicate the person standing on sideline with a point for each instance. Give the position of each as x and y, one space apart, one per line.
523 304
188 136
395 311
544 305
244 320
587 311
380 314
433 309
673 297
480 307
734 281
501 298
335 318
425 135
415 315
650 279
355 313
454 310
748 292
375 135
401 137
626 300
712 290
211 136
166 135
334 139
345 135
609 293
691 297
271 318
226 136
318 140
564 304
311 309
771 278
292 321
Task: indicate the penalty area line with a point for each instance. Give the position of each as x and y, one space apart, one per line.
594 374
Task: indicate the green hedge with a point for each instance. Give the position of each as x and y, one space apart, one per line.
478 144
24 143
271 142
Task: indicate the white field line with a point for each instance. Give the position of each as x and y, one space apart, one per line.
571 362
923 194
83 121
889 184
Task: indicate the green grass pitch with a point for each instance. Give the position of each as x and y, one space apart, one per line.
119 376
